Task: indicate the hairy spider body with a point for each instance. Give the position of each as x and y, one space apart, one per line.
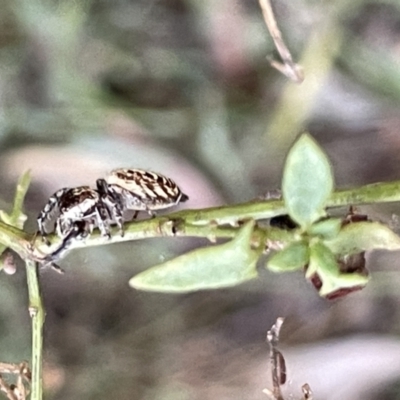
69 205
140 190
76 211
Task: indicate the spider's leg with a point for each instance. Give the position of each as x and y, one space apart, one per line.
56 267
144 205
78 231
63 226
148 210
102 187
33 240
152 214
116 213
113 203
48 212
135 203
44 238
102 218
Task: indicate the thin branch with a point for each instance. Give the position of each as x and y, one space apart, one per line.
205 223
288 68
278 368
167 227
17 216
15 239
37 313
296 102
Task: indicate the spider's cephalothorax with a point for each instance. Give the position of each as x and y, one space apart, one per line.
139 190
76 212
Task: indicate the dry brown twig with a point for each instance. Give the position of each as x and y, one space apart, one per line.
307 393
278 366
287 67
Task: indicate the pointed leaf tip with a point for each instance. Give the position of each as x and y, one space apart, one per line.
363 236
218 266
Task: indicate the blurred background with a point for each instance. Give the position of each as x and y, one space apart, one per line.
183 87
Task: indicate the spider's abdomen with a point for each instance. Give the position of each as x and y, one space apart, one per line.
145 190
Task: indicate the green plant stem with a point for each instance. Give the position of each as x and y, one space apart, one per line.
205 222
382 192
17 217
22 188
14 238
37 314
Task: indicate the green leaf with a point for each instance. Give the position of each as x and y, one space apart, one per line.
292 257
327 229
212 267
322 260
334 283
324 264
307 181
362 236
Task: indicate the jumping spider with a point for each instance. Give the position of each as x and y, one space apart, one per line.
77 211
139 190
